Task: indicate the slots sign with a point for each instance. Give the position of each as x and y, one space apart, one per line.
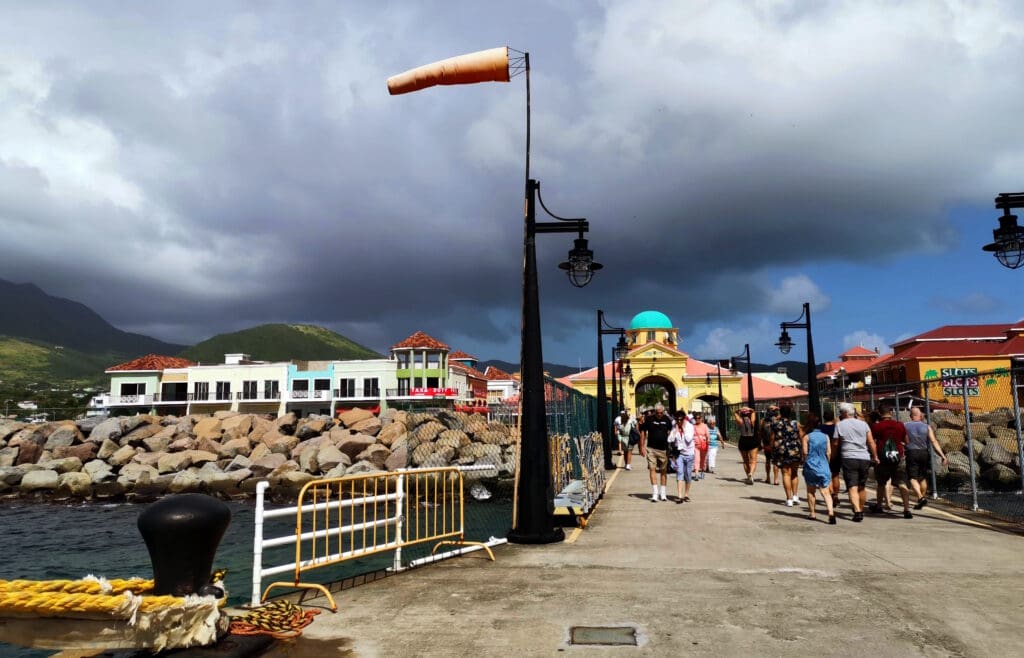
955 379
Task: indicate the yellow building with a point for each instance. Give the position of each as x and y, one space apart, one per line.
660 370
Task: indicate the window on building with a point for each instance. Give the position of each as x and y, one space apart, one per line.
433 382
650 336
403 386
346 388
223 390
249 390
271 389
434 360
403 360
417 360
201 391
321 385
133 389
371 388
417 382
300 389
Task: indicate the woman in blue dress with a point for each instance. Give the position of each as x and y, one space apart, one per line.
817 474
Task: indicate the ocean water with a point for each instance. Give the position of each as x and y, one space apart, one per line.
43 541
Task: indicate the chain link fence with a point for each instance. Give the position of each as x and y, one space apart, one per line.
976 417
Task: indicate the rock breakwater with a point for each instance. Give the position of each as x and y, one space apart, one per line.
226 454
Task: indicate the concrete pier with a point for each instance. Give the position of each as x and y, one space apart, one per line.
733 573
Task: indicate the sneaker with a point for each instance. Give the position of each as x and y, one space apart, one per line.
654 499
750 480
875 508
796 499
629 467
858 517
664 497
921 503
831 519
907 514
789 503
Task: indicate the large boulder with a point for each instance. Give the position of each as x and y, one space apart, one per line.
286 424
44 480
157 443
453 438
353 416
82 451
370 427
234 447
107 448
130 423
958 463
185 481
308 460
30 434
976 446
361 468
8 456
428 431
137 436
109 429
237 427
134 473
239 463
62 437
265 465
1001 477
85 425
399 458
390 432
173 462
951 440
994 454
75 484
421 453
97 470
65 465
329 457
376 454
123 456
948 420
354 444
307 428
28 452
282 444
260 426
181 442
207 428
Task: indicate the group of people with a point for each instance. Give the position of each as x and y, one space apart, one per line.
897 452
686 443
824 449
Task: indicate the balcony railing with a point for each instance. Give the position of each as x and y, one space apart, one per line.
154 398
259 396
366 392
310 395
209 397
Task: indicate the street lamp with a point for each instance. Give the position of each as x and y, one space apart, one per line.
602 398
624 371
533 518
785 344
1008 239
745 357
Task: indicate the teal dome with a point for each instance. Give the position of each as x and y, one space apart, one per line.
650 320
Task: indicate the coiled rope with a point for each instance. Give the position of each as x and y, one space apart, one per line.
279 619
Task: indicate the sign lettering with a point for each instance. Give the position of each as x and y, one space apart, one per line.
954 380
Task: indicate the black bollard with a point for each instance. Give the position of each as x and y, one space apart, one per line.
182 533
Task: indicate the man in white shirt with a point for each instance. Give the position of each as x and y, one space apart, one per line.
624 426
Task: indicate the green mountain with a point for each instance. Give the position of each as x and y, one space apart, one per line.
27 312
553 369
23 361
279 342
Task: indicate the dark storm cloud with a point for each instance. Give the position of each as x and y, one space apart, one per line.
201 169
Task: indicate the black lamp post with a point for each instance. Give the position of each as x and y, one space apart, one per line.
1008 242
602 397
534 519
745 358
785 344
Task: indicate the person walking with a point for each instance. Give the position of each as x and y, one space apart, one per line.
624 428
787 453
859 452
748 443
835 460
919 463
700 438
765 432
654 446
715 441
891 435
683 443
817 448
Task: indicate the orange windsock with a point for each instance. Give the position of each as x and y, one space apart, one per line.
482 66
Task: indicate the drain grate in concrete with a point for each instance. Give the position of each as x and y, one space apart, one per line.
603 635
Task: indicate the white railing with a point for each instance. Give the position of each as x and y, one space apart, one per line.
395 490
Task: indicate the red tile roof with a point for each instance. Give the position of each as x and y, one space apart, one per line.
493 373
152 362
963 332
858 353
420 340
853 366
962 349
469 371
459 354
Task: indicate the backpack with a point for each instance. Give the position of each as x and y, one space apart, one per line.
891 451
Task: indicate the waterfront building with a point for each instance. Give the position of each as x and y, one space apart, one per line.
856 368
501 386
661 371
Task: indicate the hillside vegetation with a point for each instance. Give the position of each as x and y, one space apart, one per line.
24 361
279 342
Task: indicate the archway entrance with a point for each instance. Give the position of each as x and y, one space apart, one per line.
654 389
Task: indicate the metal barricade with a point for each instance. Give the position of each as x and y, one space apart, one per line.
346 518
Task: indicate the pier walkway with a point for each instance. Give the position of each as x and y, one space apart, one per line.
732 573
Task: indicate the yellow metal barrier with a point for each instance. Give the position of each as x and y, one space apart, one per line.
342 519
